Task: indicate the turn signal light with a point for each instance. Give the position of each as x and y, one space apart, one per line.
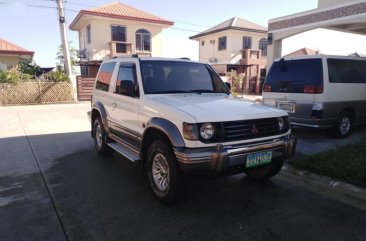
266 88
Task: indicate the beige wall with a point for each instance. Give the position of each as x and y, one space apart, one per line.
234 45
329 3
101 36
9 60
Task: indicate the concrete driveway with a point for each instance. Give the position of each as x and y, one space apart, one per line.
53 186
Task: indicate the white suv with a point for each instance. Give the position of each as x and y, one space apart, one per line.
175 116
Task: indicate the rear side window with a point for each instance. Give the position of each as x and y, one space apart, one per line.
347 71
295 76
104 76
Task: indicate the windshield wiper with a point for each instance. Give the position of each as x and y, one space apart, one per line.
169 92
200 91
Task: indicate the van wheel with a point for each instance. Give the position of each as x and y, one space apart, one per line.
342 127
265 172
163 172
100 138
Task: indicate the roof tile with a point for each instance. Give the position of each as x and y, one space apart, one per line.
121 10
7 46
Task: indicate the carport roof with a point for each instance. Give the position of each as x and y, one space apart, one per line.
348 17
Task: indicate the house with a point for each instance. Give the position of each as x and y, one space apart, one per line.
235 44
116 30
12 55
303 51
340 15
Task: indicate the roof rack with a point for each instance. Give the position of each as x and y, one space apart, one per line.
184 58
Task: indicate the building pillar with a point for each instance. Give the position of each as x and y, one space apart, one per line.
273 51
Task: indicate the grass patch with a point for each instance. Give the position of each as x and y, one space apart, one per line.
347 163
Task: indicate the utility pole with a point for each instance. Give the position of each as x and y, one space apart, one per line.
65 43
65 46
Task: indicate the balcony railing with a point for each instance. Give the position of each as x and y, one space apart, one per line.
253 57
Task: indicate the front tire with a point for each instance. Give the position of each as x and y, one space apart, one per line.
342 128
163 173
100 138
265 172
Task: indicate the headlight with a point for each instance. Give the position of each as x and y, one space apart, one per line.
190 131
281 123
207 131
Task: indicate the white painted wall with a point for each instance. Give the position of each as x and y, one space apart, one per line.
329 3
101 36
234 45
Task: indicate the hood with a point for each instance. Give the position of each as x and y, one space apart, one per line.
217 107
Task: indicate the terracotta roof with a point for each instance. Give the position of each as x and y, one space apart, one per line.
9 48
303 51
235 23
121 11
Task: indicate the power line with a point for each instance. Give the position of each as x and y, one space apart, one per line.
42 6
184 29
73 10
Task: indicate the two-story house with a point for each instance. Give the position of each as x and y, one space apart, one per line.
235 44
114 30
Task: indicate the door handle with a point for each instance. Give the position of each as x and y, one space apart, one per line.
114 105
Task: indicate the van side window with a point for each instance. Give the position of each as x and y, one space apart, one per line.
126 83
104 76
346 71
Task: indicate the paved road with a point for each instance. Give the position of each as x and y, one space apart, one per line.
53 186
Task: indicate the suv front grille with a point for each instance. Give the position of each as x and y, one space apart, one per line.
250 129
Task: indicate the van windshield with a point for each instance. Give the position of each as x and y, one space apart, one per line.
295 76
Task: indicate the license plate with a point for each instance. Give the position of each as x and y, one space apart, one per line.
289 107
258 158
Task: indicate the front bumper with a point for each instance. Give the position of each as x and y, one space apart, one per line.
222 159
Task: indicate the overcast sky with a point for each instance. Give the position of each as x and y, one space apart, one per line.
33 24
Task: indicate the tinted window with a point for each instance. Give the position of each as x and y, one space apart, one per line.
104 76
346 71
293 75
222 43
247 42
180 77
126 78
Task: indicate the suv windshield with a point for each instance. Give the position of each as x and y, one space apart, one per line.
168 77
293 76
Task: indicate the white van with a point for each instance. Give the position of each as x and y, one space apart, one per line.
319 91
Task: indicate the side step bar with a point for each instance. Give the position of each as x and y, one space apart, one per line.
130 155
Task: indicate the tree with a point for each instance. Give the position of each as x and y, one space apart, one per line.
236 81
74 53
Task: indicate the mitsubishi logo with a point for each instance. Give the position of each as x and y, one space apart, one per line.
254 130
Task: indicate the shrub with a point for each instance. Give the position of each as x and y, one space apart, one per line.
30 69
59 76
13 76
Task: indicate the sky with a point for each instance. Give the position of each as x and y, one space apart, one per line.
33 25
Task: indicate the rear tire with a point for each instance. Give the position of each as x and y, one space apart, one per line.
163 173
265 172
342 127
100 138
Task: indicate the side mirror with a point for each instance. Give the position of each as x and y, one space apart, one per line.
127 87
228 85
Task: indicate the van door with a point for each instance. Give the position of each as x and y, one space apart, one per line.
292 85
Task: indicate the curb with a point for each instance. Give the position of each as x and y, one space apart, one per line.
341 191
